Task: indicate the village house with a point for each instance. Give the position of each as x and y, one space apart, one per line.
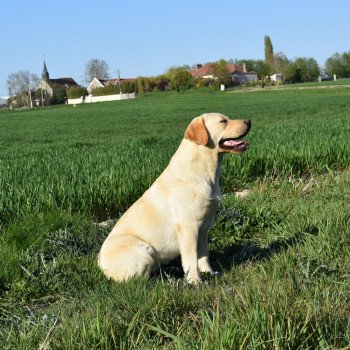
99 83
49 86
277 78
239 74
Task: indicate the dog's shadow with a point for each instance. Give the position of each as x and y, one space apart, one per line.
223 261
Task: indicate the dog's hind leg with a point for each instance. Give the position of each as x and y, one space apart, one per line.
125 256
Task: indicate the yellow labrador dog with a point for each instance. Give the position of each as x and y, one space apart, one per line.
174 215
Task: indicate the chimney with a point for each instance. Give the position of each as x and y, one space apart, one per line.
244 68
198 65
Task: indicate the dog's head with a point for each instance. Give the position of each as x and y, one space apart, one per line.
217 131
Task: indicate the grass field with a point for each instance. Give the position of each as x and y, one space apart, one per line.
325 83
338 86
283 251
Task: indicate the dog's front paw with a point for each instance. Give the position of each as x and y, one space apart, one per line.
193 281
216 273
207 276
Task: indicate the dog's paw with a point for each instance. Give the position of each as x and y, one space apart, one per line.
208 275
193 281
216 273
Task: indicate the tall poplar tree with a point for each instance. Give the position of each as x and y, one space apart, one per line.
269 55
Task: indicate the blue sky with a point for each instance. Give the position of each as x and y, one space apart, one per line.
147 37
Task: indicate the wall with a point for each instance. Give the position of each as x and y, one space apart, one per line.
244 78
276 77
93 99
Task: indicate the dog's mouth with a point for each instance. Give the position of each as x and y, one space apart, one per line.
235 144
231 144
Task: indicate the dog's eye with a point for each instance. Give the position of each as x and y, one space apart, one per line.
224 121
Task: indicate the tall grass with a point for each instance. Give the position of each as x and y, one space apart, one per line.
99 159
288 290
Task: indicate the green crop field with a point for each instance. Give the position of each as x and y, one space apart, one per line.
283 250
323 83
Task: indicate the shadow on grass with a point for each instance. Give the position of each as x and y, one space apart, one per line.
240 254
223 261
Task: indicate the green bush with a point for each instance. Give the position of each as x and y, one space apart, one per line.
150 84
58 97
109 89
182 80
76 92
19 100
129 86
203 82
162 83
140 82
221 74
146 84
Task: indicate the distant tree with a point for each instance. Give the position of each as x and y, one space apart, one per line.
269 55
172 71
282 65
96 68
221 74
346 56
257 66
21 85
182 80
22 81
303 69
338 64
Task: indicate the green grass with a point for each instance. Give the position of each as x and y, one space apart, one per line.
325 83
283 250
98 159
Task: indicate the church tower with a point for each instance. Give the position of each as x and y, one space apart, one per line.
45 74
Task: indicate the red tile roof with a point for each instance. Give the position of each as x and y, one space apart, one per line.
115 81
208 69
235 68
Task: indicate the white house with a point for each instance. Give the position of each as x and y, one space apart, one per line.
94 84
99 83
277 78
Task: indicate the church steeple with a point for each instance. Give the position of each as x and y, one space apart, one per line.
45 73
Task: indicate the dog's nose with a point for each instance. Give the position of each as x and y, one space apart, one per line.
248 124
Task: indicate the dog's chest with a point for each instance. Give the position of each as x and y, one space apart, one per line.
210 198
209 208
168 247
201 205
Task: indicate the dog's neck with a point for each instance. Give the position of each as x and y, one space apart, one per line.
203 163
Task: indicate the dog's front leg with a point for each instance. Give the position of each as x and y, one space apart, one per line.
187 237
203 253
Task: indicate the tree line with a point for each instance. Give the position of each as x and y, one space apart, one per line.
23 84
296 70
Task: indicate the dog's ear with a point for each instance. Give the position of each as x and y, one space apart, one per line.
197 132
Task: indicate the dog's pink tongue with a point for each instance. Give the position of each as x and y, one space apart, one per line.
231 143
